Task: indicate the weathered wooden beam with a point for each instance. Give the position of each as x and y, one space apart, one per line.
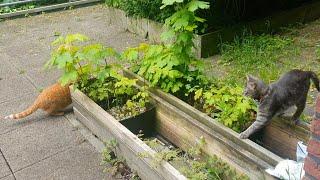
106 127
184 125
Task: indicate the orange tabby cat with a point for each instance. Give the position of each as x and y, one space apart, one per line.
53 99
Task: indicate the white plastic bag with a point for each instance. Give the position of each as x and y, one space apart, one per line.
291 170
301 151
288 170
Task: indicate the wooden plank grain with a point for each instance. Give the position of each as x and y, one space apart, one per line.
205 120
184 132
130 146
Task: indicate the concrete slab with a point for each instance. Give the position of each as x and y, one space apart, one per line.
38 140
15 87
43 78
16 106
42 147
6 68
27 58
4 169
79 162
10 177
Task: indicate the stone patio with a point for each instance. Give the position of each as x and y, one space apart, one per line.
42 146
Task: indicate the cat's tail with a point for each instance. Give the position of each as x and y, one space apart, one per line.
24 113
315 79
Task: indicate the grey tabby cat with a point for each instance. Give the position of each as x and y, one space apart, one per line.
291 89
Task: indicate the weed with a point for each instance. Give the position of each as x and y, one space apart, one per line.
22 71
56 33
263 55
193 164
118 164
227 105
142 9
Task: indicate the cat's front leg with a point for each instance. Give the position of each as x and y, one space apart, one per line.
261 120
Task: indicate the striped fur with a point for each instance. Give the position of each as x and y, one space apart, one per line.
52 100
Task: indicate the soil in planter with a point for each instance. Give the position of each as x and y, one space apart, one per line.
192 164
136 116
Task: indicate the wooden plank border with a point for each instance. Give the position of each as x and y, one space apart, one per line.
190 124
47 8
130 146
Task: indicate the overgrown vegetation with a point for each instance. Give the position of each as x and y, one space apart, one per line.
86 67
191 163
226 104
263 55
173 67
142 8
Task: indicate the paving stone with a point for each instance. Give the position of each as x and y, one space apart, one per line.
4 169
38 140
43 78
42 147
10 177
28 58
15 87
7 70
79 162
16 106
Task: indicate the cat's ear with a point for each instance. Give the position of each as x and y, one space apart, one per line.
252 85
250 77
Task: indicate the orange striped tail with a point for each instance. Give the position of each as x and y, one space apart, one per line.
24 113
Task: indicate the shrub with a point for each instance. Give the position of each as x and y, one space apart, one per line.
142 8
86 67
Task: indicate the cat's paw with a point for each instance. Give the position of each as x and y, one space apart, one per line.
243 135
297 122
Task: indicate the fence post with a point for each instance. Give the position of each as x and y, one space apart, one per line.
312 161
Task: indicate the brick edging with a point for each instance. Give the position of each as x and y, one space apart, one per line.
312 161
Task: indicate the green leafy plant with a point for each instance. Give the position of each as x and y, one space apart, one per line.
193 164
227 105
172 66
142 9
87 68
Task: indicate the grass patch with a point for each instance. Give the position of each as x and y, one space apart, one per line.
265 56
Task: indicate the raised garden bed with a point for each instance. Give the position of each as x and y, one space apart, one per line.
139 156
107 128
246 155
208 44
48 8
